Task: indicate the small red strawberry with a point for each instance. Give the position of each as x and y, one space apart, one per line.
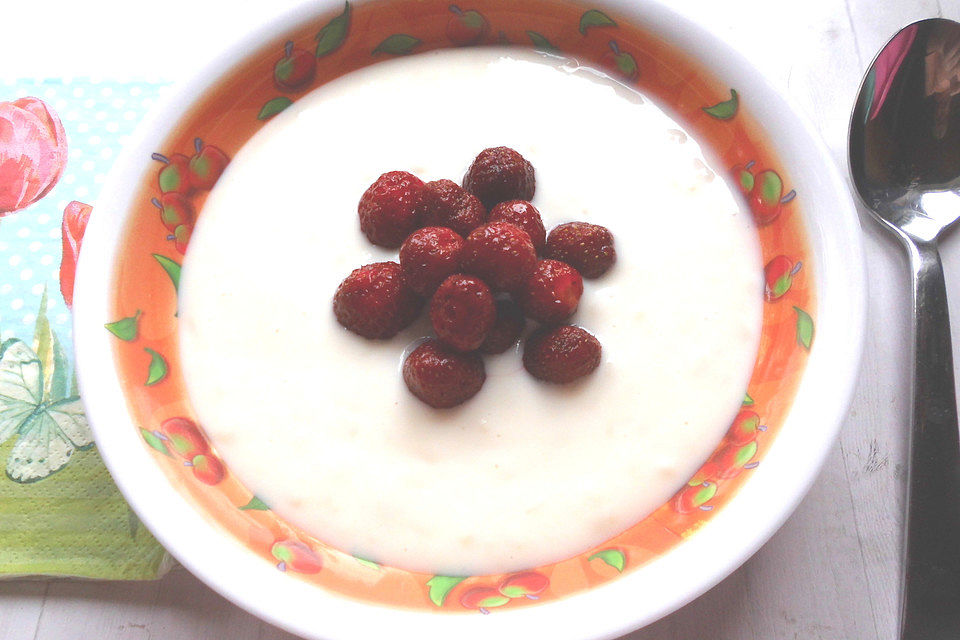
447 204
499 174
388 208
374 302
586 247
463 312
506 330
552 293
524 215
442 377
561 354
500 253
428 256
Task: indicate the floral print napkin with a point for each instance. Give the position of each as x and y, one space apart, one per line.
60 513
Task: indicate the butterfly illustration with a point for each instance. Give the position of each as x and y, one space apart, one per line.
49 424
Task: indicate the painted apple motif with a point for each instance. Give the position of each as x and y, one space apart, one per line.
765 196
175 210
691 498
75 217
745 427
466 27
707 472
743 177
483 599
622 64
181 237
296 556
524 585
184 438
734 458
295 69
174 176
208 468
778 276
206 164
33 152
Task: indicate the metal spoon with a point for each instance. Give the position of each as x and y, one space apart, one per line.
905 161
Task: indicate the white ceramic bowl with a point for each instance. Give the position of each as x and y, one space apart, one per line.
637 598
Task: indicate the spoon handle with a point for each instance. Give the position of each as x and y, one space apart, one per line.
930 588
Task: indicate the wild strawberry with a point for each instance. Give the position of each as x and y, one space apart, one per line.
447 204
500 253
374 302
463 312
498 174
586 247
524 215
505 330
428 256
552 293
561 354
388 208
442 377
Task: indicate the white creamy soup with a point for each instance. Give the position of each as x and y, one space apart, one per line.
318 422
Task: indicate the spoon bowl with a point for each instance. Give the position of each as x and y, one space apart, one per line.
905 162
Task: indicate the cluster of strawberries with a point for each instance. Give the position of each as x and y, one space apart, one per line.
481 273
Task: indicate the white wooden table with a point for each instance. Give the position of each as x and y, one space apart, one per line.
830 573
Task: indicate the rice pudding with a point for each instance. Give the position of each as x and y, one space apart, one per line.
318 422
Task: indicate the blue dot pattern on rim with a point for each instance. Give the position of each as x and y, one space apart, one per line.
98 118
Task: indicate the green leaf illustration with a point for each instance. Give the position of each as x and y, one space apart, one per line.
273 107
43 339
595 18
154 441
369 564
440 587
747 400
397 45
804 328
540 43
172 268
726 109
125 328
613 557
332 35
157 370
255 504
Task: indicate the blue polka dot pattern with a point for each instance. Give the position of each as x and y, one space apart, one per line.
98 118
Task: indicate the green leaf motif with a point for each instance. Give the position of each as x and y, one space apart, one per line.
43 344
595 18
157 370
154 441
398 44
804 328
369 564
255 504
273 107
125 328
747 400
172 268
540 43
613 557
440 587
332 35
726 109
